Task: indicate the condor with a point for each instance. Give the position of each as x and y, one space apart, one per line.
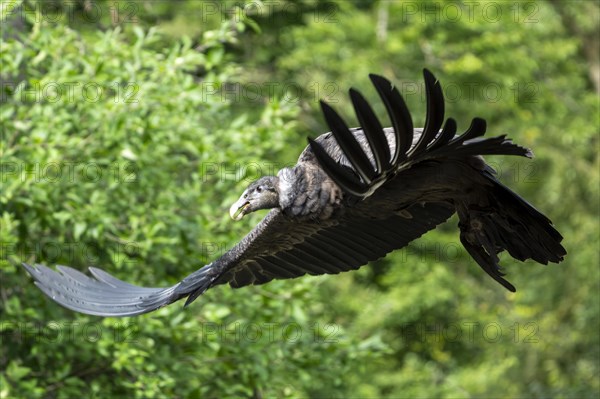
355 195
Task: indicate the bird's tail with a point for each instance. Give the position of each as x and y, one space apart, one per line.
510 223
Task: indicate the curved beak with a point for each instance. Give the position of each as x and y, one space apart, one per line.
239 209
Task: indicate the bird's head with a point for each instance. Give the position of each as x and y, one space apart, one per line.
260 194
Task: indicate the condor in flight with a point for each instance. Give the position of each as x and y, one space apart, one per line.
355 195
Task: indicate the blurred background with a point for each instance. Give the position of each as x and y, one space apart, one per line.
129 127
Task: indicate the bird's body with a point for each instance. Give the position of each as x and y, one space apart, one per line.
354 196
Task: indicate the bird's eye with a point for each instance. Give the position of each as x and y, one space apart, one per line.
246 195
258 189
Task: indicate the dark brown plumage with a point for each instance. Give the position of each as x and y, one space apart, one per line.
354 196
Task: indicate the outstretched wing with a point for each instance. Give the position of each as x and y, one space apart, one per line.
408 148
103 295
277 248
433 142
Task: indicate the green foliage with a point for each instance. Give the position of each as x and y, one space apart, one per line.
125 141
137 180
